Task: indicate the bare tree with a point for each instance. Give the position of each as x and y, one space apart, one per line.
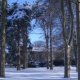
66 72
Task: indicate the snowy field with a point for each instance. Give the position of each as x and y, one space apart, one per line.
39 74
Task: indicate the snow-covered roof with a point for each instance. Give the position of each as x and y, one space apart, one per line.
38 49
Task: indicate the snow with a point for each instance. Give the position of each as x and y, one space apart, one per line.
39 74
19 15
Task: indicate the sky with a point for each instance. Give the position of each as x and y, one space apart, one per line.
21 1
35 34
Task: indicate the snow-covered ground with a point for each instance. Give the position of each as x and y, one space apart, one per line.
39 74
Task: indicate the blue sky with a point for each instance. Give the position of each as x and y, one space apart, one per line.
21 1
35 34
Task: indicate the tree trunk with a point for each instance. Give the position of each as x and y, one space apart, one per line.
25 54
66 71
51 54
72 22
70 41
75 50
47 49
2 54
78 38
50 26
18 50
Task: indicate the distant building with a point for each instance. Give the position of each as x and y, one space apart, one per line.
39 49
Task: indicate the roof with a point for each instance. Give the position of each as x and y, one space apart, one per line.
38 49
